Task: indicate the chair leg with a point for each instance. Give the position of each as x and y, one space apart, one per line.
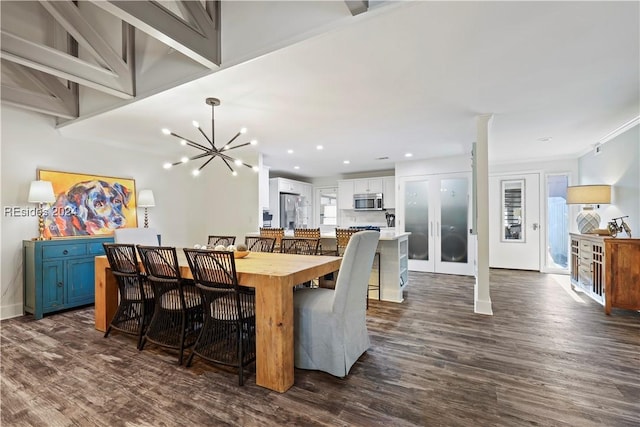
106 334
143 341
182 337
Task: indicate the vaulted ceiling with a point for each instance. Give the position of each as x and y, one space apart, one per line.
369 81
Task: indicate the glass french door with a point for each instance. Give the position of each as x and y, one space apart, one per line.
435 210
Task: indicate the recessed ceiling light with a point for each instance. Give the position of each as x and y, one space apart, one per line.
545 139
383 158
319 147
346 162
408 155
290 151
296 167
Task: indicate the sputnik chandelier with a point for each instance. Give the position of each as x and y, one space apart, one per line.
211 151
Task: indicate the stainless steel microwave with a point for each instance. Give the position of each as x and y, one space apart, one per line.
368 202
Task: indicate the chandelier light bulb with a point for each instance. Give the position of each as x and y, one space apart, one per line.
184 159
254 142
195 124
195 172
256 169
234 173
167 165
243 130
238 162
183 142
166 131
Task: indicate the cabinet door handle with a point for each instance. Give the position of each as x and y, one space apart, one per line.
60 284
431 228
65 252
438 228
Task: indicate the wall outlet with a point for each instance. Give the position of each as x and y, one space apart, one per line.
597 149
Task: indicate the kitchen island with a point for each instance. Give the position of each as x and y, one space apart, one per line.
394 249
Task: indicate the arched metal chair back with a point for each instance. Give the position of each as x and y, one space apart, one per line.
300 245
260 244
221 240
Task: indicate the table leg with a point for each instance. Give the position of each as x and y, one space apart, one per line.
274 336
106 294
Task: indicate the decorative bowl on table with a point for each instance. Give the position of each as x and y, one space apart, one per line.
240 254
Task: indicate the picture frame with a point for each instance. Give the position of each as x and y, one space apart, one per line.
89 205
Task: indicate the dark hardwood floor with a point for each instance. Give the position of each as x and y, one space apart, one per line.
543 358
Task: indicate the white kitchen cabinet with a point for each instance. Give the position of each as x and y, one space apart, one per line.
345 194
389 193
368 185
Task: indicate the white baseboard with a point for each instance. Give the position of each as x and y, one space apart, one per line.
9 311
483 307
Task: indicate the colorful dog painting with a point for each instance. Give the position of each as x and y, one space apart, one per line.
88 207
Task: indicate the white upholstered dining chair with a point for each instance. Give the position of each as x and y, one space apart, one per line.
136 236
330 324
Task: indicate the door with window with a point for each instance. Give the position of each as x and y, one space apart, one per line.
435 209
514 221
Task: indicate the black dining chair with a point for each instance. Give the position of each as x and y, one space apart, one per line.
136 303
221 240
299 245
228 335
260 244
177 316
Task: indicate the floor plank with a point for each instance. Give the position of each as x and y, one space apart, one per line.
544 358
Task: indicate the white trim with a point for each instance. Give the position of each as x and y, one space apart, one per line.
482 307
9 311
619 130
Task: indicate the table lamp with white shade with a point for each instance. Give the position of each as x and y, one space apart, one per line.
588 195
146 200
41 192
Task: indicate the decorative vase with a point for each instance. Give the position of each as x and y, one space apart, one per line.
588 220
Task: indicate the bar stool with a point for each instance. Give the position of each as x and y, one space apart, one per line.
276 233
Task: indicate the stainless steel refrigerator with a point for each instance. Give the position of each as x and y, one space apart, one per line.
291 211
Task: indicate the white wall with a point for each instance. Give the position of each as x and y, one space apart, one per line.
187 209
618 164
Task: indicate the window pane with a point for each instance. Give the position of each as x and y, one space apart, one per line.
454 206
417 218
558 222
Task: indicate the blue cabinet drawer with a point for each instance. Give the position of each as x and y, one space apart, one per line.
60 251
95 249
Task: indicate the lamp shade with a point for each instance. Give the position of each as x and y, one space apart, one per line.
145 199
41 192
588 194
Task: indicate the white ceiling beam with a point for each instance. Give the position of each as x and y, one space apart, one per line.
356 7
69 17
200 42
61 64
54 96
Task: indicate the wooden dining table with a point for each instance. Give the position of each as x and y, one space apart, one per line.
274 276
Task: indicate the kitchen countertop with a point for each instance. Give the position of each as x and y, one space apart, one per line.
384 234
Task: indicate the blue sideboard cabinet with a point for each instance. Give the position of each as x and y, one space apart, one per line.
59 274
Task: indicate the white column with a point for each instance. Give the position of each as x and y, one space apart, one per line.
482 298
